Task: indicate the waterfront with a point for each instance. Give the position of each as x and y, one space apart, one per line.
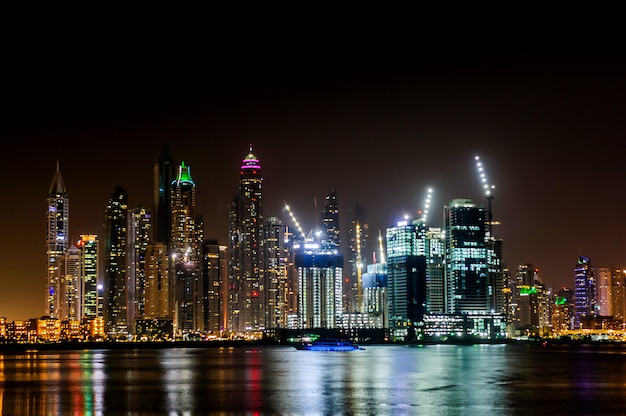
278 380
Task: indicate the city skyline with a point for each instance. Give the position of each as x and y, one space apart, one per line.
547 124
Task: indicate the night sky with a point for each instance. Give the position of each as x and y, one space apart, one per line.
379 117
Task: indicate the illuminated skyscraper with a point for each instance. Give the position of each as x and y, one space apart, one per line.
276 260
246 285
115 274
584 293
138 239
186 244
330 222
157 282
214 270
358 256
434 248
406 276
57 239
89 304
69 286
163 178
467 274
319 286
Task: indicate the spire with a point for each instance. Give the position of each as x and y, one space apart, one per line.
57 186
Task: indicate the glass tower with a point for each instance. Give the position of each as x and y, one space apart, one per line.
88 248
57 239
468 286
115 284
246 277
584 293
185 249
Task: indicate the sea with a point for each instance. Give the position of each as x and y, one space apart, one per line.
507 379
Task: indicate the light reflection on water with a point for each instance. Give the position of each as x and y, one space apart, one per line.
432 380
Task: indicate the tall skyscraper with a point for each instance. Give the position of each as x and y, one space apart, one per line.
115 285
57 239
139 229
467 273
406 275
88 250
163 178
275 265
69 286
330 222
157 287
358 256
185 251
584 293
246 285
435 252
214 270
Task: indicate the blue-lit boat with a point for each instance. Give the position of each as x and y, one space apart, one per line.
328 344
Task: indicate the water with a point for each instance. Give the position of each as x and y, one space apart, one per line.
380 380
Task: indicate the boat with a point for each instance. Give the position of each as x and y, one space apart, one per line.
328 344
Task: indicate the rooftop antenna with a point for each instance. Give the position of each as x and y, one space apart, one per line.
488 190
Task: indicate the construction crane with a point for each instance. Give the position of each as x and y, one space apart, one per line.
488 190
295 221
424 212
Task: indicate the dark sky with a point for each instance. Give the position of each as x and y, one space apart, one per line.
380 115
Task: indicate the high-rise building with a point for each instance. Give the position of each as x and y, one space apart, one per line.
139 224
358 256
185 251
69 286
246 285
157 287
319 286
330 239
584 293
276 282
214 270
57 239
468 285
374 286
115 273
406 276
90 304
163 178
434 249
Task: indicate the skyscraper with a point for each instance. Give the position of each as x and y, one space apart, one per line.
585 307
157 287
406 276
467 273
69 286
88 250
115 285
330 222
358 256
246 285
213 272
57 239
186 245
163 178
275 266
138 239
319 286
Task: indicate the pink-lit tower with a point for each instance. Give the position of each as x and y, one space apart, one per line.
246 299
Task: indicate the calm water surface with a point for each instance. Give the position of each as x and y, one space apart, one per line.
380 380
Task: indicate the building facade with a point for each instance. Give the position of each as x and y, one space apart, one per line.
57 240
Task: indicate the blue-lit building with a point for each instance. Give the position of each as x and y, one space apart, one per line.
584 293
468 288
374 287
57 239
406 276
